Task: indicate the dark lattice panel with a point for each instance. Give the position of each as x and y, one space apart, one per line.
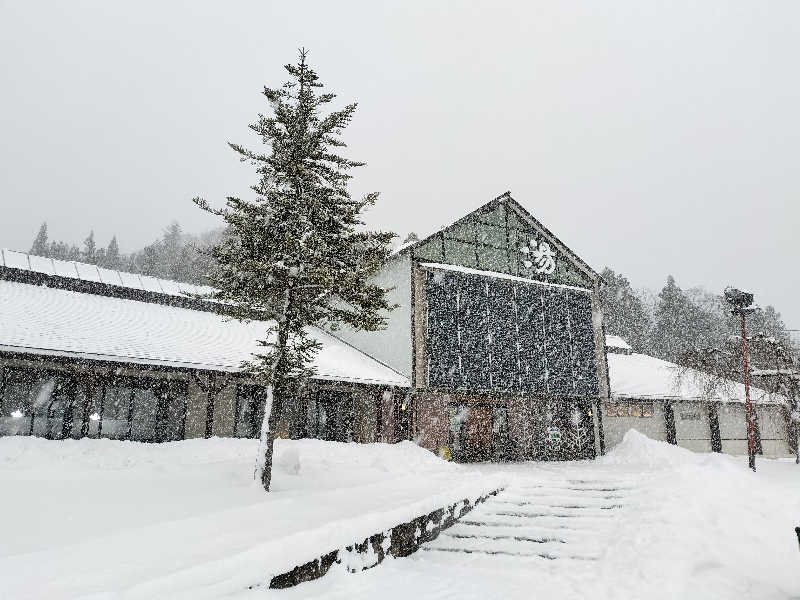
559 348
532 327
443 363
493 334
473 332
583 356
503 335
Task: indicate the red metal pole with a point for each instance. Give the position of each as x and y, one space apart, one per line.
751 434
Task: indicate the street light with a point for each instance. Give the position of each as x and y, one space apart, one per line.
741 302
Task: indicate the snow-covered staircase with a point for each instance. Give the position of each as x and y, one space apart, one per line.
554 519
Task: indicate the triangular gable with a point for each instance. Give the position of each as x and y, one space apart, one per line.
501 236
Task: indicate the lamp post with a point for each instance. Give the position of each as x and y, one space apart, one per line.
741 302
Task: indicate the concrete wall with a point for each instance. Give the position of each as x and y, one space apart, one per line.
615 428
774 428
391 346
692 426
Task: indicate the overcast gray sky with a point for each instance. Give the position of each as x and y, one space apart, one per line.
657 138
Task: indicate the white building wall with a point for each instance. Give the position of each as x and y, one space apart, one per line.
615 428
692 426
774 431
391 346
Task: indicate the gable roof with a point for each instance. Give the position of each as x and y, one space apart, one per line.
510 202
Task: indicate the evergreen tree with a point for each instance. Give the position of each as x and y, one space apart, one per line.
624 312
296 253
40 246
113 260
670 322
89 248
100 257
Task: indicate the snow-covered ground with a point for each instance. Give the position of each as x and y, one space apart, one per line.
649 521
118 519
111 519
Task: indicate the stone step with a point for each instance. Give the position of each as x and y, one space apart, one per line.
525 531
559 495
492 533
572 488
569 503
504 547
521 512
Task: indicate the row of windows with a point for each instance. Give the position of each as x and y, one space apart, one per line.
56 406
325 414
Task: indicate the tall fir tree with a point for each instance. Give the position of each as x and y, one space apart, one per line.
89 248
297 253
113 259
40 246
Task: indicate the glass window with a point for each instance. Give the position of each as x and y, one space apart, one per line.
430 250
173 422
116 409
492 236
144 413
464 232
458 419
250 401
34 403
330 416
86 411
515 221
497 216
459 253
493 259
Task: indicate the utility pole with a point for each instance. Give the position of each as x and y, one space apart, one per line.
741 302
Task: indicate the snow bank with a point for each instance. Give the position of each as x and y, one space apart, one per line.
185 519
639 450
686 526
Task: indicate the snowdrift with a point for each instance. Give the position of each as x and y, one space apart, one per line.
638 449
186 519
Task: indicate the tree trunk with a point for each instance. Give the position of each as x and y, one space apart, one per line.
267 442
275 396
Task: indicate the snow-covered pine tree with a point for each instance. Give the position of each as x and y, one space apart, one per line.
296 253
89 248
40 247
113 259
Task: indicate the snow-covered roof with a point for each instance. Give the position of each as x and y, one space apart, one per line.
615 341
87 272
647 377
42 320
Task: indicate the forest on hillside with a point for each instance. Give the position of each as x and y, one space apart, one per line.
174 254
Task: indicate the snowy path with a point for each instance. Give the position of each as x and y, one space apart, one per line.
545 533
564 519
649 521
